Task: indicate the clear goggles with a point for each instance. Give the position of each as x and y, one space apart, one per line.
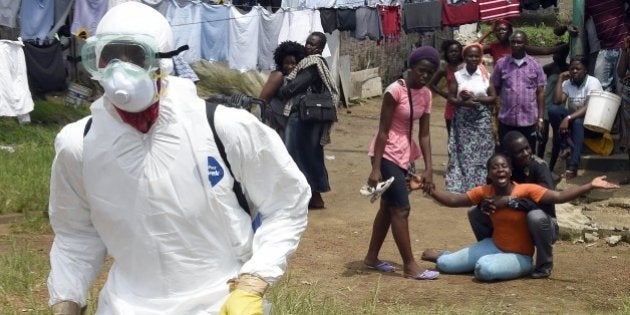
101 50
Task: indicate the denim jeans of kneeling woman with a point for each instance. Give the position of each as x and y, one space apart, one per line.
488 262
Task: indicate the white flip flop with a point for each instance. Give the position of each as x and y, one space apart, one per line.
376 192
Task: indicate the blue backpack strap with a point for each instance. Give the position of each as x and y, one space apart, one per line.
238 190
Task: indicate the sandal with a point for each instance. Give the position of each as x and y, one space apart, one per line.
375 192
425 275
382 266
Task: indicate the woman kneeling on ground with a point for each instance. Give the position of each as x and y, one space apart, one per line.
508 253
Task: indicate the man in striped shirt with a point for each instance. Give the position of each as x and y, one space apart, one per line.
612 26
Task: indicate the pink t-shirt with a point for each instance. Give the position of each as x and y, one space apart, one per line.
397 148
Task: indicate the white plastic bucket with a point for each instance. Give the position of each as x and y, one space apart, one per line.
77 95
601 111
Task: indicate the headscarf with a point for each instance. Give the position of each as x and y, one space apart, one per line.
482 68
502 21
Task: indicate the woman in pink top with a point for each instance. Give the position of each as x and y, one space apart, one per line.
393 152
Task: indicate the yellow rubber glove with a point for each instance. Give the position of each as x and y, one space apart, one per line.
243 303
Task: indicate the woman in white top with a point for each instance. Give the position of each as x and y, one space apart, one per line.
573 88
471 142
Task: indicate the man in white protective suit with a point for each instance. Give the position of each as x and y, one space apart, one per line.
147 185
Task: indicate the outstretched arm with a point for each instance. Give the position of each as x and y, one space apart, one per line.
537 50
552 196
448 199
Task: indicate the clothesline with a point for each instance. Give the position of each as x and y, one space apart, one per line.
256 7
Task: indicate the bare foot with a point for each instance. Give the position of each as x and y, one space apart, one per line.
431 254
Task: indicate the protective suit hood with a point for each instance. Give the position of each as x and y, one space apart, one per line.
137 18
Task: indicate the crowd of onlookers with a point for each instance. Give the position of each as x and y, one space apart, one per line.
498 120
498 124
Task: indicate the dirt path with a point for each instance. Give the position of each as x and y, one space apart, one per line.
587 277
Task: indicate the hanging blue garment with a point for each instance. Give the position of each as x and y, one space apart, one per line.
36 18
214 32
185 20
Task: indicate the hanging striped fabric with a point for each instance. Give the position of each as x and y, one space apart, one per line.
490 10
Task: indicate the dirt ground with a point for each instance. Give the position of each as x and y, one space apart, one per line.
587 278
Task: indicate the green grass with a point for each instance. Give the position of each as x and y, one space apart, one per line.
23 274
537 35
27 155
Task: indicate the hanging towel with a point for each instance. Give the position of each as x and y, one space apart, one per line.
459 13
390 20
45 67
368 24
490 10
15 96
422 17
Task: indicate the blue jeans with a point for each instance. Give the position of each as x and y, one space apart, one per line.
556 115
487 261
606 68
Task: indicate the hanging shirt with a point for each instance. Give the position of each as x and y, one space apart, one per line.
244 32
611 21
87 14
184 18
490 10
297 25
36 18
329 19
159 5
15 96
45 67
270 25
214 37
463 12
346 19
422 17
9 12
390 20
316 4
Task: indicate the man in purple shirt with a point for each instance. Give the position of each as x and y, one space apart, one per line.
521 82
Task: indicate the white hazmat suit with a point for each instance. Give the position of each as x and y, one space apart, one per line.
161 202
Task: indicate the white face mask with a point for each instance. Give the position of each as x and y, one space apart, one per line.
128 87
